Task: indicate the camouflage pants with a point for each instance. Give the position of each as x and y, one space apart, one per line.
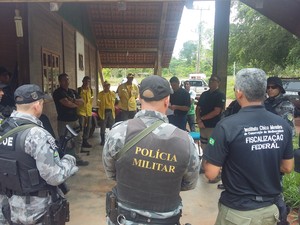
28 214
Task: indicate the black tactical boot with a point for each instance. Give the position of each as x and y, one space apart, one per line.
85 144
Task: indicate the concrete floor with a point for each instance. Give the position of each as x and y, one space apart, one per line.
89 185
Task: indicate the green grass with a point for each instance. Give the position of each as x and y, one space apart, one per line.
291 184
229 88
291 193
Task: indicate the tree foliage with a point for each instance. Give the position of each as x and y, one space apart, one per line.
189 53
258 42
186 63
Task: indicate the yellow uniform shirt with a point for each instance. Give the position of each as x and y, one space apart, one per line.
86 108
128 95
106 100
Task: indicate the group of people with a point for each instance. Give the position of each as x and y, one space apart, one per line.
251 150
149 154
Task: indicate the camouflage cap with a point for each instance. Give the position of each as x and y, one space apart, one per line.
154 88
28 93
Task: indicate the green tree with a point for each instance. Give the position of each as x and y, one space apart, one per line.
189 53
257 41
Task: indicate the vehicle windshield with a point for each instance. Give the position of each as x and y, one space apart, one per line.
291 85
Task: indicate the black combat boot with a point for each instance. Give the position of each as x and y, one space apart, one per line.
85 144
102 139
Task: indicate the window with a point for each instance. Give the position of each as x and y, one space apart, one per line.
51 70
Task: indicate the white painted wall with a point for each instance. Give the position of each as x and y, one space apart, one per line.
79 51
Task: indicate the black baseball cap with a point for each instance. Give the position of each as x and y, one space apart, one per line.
276 81
29 93
86 78
154 88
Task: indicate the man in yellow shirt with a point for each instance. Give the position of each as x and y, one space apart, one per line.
106 111
128 93
85 111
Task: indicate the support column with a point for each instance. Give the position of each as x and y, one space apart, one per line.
221 37
159 69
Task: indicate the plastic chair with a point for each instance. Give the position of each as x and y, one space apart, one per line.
196 138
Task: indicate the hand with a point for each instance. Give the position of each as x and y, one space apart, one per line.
200 123
172 107
74 170
70 158
71 99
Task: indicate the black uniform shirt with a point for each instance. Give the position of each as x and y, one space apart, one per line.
207 102
249 146
65 113
180 97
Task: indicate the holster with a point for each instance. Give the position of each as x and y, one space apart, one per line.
283 211
111 207
57 213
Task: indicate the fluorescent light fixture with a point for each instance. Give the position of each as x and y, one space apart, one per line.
19 23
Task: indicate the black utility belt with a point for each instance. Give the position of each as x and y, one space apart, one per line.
42 194
259 198
135 217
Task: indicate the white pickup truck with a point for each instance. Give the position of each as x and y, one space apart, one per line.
199 86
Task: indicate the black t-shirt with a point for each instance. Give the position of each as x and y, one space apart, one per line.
207 102
180 97
8 97
65 113
249 146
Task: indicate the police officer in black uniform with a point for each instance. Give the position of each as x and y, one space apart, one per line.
252 147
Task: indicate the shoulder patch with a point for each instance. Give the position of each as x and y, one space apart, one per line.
211 141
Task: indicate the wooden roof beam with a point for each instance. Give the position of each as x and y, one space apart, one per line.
134 50
118 22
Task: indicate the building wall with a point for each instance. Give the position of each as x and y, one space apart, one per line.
14 50
43 31
8 38
49 31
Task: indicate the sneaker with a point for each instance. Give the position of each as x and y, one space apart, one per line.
86 145
80 162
